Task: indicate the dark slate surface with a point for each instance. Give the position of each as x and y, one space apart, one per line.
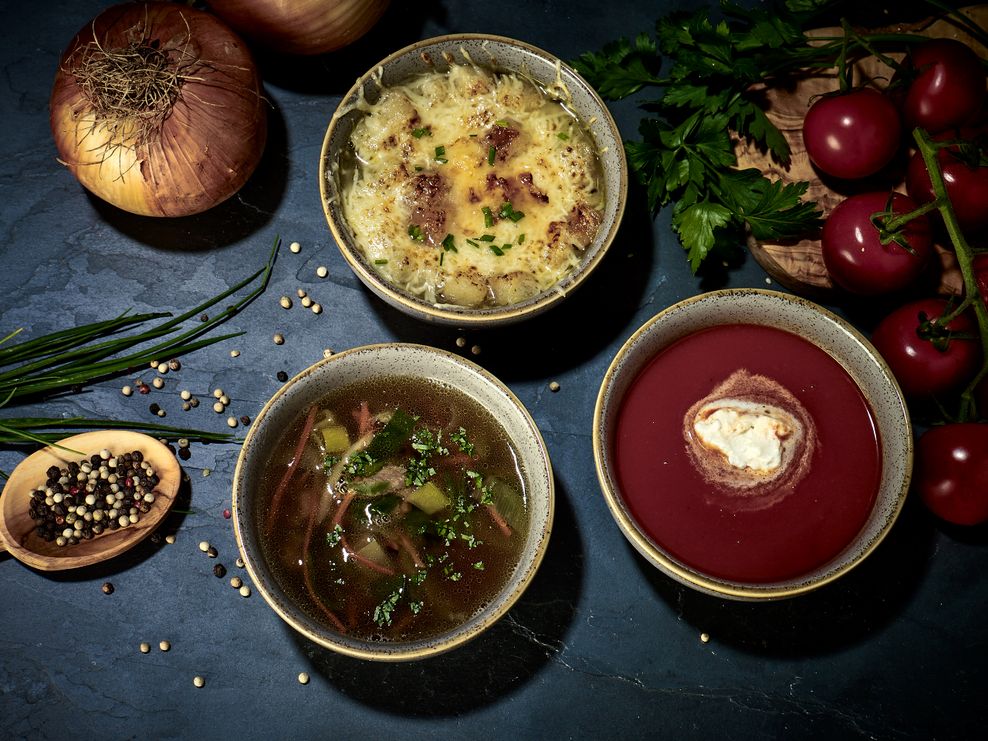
601 645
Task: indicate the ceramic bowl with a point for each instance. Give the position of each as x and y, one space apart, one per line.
369 362
797 316
17 529
501 55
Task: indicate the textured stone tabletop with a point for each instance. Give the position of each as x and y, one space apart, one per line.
600 646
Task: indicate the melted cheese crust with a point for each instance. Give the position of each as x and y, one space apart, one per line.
423 176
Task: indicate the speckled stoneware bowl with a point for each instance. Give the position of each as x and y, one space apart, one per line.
370 362
825 330
500 54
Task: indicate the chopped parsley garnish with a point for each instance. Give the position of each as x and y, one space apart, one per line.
459 438
508 212
441 155
451 573
491 155
383 613
416 233
479 565
329 461
334 536
419 133
418 471
359 463
488 216
415 606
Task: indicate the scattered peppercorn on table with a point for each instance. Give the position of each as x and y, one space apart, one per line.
172 638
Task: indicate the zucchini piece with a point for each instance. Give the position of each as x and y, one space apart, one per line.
428 498
335 438
392 437
508 501
373 551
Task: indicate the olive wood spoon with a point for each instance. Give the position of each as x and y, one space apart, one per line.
17 529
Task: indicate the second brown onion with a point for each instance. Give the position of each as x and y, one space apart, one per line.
157 108
301 26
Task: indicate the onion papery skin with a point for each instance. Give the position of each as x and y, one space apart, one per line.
303 27
209 142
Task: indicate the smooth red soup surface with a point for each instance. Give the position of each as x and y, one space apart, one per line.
695 522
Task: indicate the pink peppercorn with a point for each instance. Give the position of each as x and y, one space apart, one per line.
226 514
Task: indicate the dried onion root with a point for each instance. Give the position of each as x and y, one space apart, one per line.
157 109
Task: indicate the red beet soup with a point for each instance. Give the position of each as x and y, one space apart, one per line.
711 529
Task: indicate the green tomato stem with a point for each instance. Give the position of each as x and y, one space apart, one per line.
965 261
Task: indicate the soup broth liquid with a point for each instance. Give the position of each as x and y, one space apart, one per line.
406 585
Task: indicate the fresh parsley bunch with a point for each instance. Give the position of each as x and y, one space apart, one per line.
708 95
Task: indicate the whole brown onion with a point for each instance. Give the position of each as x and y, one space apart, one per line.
157 108
301 26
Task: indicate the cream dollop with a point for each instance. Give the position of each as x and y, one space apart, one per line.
751 439
749 435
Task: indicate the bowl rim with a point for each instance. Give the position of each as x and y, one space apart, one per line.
526 569
693 578
450 314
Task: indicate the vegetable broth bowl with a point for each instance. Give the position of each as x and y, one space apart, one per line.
456 293
255 509
689 482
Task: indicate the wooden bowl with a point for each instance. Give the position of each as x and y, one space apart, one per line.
17 529
799 266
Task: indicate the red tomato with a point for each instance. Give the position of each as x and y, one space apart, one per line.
949 87
852 135
980 265
925 367
951 472
967 184
854 254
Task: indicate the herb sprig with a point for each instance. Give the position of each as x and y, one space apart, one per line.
710 88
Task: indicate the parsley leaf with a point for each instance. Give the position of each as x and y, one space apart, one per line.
622 67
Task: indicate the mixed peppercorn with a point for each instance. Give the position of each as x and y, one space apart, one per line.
102 492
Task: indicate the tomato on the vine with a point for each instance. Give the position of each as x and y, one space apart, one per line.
965 179
948 88
951 472
852 135
928 359
853 251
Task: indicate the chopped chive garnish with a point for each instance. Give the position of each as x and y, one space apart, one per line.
501 122
441 155
416 233
448 243
508 212
488 216
563 135
487 238
380 262
418 168
491 154
521 239
496 250
473 136
473 243
419 133
506 246
441 256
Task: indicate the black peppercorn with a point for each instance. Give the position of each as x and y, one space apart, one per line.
282 376
107 588
219 570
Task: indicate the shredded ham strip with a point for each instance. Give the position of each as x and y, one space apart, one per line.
310 419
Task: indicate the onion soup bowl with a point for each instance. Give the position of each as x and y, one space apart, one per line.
392 501
472 180
751 445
